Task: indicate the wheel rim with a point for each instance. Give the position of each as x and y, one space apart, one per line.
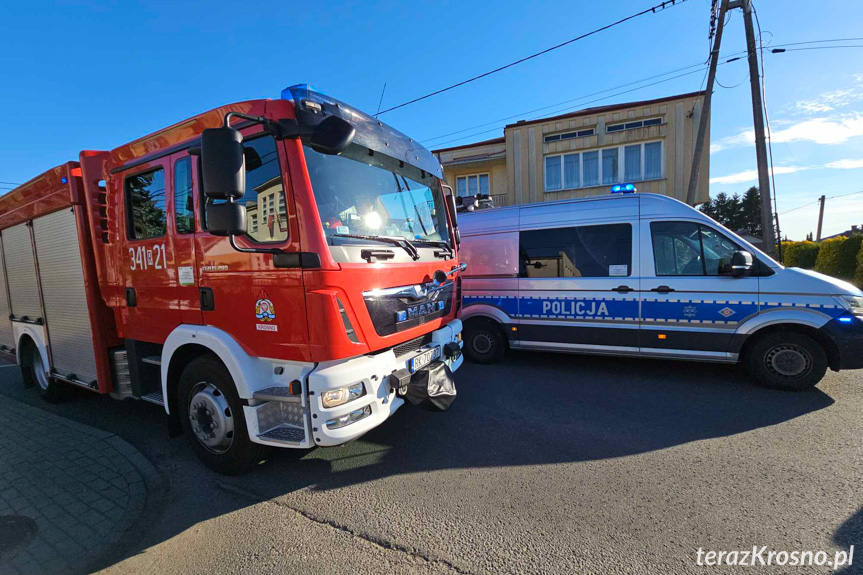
482 342
211 418
39 370
788 361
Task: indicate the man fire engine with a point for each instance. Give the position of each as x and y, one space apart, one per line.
273 272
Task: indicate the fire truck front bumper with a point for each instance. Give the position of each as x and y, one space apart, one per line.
350 397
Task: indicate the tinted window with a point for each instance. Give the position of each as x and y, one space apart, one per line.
586 251
145 204
689 249
184 210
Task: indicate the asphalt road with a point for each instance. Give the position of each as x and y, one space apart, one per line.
545 464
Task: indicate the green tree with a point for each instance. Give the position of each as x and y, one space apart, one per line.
827 261
739 214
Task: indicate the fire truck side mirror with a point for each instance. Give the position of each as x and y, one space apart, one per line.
332 136
223 163
226 219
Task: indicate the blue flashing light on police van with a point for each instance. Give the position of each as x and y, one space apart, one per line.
623 189
846 319
63 180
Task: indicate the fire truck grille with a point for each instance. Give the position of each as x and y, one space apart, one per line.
397 309
413 345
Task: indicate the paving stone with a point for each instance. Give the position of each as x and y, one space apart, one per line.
81 485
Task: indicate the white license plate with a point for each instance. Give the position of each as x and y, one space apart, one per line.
420 361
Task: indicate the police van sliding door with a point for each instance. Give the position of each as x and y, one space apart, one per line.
691 306
578 277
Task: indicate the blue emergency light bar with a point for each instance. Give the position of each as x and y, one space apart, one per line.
288 93
623 189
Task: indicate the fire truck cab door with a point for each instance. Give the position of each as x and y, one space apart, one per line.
149 265
184 224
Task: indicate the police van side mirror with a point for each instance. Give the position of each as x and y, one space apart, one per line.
741 264
223 163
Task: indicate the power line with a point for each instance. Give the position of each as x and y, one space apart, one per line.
11 183
818 200
781 50
653 10
729 58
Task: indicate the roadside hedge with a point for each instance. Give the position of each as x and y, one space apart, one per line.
848 251
858 277
827 261
800 254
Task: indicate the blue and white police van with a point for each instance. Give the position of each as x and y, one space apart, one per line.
647 275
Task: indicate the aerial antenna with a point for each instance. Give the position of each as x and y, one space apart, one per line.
381 101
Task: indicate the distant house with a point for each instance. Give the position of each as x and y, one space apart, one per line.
583 153
846 233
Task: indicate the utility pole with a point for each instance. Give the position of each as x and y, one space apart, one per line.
691 192
767 228
821 201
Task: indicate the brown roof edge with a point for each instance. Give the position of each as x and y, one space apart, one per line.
482 143
603 109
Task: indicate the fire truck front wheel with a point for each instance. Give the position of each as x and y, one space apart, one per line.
212 417
34 373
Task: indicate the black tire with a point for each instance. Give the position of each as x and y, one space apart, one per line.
33 374
790 361
484 341
206 380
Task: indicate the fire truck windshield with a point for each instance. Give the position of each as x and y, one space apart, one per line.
360 193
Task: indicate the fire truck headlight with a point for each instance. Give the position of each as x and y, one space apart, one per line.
342 395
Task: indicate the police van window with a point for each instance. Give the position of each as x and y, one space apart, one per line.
145 205
184 210
689 249
585 251
266 213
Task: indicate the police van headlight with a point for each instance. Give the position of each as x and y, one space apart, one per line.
342 395
853 303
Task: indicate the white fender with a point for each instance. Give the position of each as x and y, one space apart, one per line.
802 316
37 333
249 373
484 310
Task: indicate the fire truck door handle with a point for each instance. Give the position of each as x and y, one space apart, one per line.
208 302
131 297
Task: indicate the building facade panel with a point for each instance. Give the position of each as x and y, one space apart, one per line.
650 144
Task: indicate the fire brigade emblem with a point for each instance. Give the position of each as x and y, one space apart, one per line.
264 309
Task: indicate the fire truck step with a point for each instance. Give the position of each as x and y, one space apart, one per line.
155 397
284 434
152 359
277 394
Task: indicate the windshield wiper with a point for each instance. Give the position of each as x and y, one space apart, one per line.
446 252
400 242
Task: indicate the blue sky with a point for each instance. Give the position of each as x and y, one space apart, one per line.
93 75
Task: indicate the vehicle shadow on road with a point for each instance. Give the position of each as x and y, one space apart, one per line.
848 534
536 409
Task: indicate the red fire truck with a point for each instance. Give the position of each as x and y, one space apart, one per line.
273 272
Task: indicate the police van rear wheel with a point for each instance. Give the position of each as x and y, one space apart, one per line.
790 361
484 341
211 414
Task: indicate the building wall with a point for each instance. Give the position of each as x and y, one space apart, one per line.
525 150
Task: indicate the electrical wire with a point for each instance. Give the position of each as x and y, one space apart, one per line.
652 10
782 50
818 200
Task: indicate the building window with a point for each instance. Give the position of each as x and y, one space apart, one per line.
569 135
253 223
145 205
184 208
632 125
584 251
632 163
472 185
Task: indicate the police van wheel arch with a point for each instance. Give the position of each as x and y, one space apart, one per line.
221 440
786 360
485 341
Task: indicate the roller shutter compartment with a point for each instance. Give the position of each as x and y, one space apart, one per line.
21 272
62 275
6 337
